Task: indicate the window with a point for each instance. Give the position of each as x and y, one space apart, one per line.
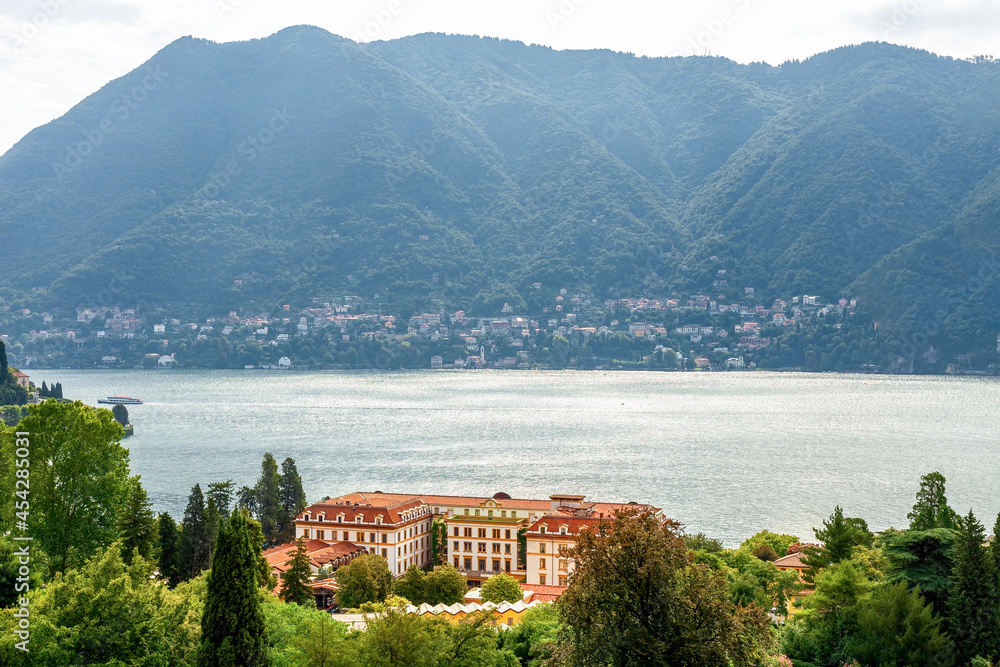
456 546
456 562
360 537
564 581
385 538
305 533
358 519
307 517
319 535
482 564
490 514
468 532
541 564
320 518
506 564
482 532
496 547
506 548
541 548
562 530
503 513
456 531
333 535
496 533
563 564
541 580
437 510
384 555
477 512
513 515
563 550
468 546
542 530
468 563
507 535
371 537
496 564
482 547
466 512
340 518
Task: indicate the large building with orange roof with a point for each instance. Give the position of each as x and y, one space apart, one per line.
482 531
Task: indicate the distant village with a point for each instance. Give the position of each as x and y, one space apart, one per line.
693 332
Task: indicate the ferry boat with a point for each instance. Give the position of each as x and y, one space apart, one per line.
120 400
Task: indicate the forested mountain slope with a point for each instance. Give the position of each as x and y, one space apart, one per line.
457 171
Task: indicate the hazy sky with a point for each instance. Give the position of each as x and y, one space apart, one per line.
53 53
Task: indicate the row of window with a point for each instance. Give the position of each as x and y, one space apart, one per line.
467 546
563 580
562 549
481 532
497 566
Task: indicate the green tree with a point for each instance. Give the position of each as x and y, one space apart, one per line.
171 567
9 566
212 523
222 494
931 509
501 588
294 580
364 579
839 536
534 639
195 546
110 613
444 585
637 598
412 585
973 622
232 626
268 500
79 480
922 558
439 542
246 498
897 628
3 364
265 575
137 525
292 500
396 638
120 413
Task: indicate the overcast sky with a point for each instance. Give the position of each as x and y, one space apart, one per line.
53 53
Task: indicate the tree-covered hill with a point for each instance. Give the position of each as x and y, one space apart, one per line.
455 171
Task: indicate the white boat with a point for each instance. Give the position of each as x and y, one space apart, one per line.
120 400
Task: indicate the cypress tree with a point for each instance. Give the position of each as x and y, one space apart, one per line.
194 536
232 626
212 523
137 525
292 498
170 549
268 502
44 391
931 509
295 578
973 601
58 392
3 363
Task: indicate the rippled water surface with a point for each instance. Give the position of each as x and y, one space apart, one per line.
724 453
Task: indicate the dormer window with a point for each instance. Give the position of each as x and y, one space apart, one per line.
542 530
378 520
340 518
562 530
358 519
308 516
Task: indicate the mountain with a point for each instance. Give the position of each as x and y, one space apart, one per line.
451 171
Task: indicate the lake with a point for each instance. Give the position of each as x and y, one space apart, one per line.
724 453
